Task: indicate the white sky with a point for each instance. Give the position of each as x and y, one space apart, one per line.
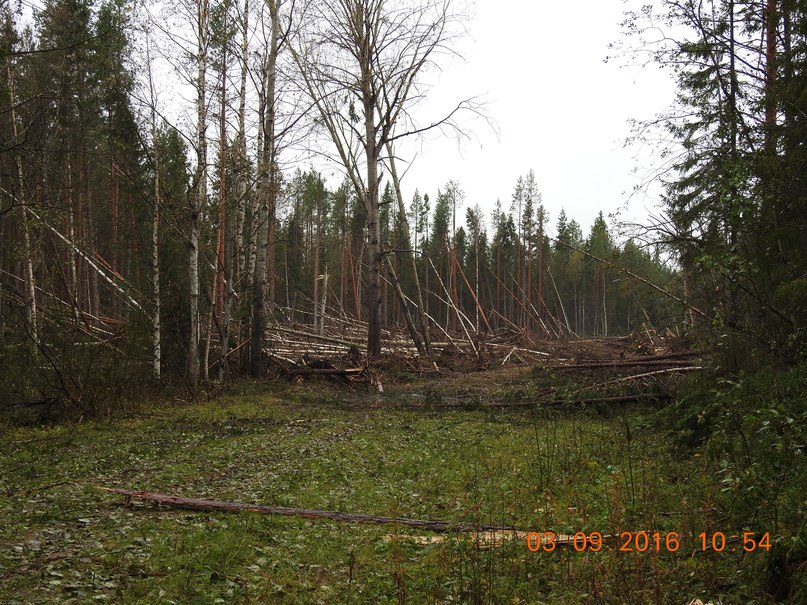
561 110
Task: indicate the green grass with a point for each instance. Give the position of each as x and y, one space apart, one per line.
63 541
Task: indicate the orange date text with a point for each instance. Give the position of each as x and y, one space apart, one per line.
654 542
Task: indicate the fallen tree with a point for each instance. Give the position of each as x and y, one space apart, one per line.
627 363
205 505
485 535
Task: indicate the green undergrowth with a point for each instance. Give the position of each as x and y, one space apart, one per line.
314 446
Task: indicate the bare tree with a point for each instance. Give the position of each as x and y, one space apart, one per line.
361 63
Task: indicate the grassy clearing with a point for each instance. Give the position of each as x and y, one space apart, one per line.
63 541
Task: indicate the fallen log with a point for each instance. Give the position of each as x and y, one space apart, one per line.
353 375
307 371
205 505
494 539
622 363
676 355
555 402
311 336
617 399
530 351
650 374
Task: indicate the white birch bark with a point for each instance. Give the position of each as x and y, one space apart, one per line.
198 200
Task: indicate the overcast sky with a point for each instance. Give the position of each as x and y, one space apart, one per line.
560 109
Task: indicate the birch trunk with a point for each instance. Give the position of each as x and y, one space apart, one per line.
156 355
267 193
242 146
71 232
323 302
156 350
224 272
197 201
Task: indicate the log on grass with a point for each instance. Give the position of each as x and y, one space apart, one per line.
557 402
205 505
576 401
617 399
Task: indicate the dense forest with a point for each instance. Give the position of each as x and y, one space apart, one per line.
135 246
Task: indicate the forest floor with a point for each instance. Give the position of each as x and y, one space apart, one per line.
445 447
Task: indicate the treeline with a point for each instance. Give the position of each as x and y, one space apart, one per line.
132 246
498 272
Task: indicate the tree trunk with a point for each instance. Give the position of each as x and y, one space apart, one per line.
222 234
267 192
373 223
240 258
208 333
156 351
323 301
224 268
528 292
30 283
156 348
197 201
316 274
259 285
238 507
71 233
